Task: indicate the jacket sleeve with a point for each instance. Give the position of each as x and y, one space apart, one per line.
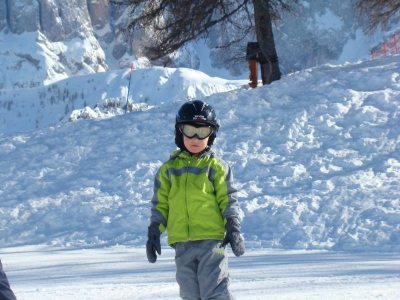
160 205
226 193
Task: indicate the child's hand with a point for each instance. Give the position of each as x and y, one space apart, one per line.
233 237
153 243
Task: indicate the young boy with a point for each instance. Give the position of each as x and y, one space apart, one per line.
5 291
194 199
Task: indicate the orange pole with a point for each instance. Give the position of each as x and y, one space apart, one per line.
253 73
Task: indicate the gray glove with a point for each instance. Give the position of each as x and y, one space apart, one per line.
233 237
153 243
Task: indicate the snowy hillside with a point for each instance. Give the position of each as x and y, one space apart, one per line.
26 109
315 157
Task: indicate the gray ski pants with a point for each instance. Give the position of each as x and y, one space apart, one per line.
5 291
202 270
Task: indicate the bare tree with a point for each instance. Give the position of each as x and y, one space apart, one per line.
177 22
378 12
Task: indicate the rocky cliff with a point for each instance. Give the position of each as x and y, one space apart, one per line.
50 40
43 41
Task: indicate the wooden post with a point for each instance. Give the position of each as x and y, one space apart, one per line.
252 56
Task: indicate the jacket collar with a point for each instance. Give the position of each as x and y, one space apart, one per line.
186 155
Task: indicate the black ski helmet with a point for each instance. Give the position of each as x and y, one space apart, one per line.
195 112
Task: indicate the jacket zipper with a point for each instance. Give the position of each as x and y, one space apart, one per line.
186 201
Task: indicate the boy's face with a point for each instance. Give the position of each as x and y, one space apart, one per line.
194 145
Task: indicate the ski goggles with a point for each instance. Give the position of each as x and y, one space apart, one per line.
200 131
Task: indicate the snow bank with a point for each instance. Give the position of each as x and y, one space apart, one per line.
315 157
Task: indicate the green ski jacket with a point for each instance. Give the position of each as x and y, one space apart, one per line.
193 197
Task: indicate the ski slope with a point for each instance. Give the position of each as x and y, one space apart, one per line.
315 157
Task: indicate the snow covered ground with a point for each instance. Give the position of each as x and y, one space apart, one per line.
48 273
315 156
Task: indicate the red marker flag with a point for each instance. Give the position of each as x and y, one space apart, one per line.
129 86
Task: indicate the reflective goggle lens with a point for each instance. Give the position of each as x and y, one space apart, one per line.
201 132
